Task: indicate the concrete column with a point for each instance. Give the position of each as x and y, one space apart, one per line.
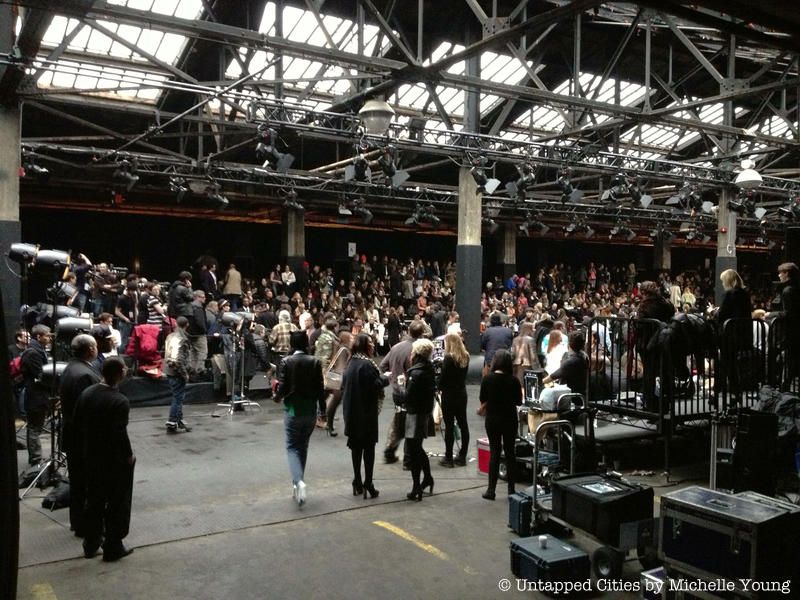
726 243
293 242
469 259
507 251
662 254
10 229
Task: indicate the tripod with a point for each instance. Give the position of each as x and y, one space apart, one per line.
57 458
237 347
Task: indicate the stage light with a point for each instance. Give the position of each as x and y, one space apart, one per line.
662 232
578 225
267 151
745 205
343 210
126 173
30 168
291 203
359 170
72 326
215 197
617 190
478 171
688 198
525 180
622 229
423 214
360 210
490 224
568 191
32 255
791 212
532 224
376 115
637 193
177 185
388 165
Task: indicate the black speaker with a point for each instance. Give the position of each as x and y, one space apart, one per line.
792 245
755 466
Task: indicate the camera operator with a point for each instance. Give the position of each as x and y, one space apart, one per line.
37 394
127 311
81 267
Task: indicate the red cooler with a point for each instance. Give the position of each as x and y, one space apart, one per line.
483 455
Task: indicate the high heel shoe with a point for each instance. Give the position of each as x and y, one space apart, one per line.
370 489
427 483
331 432
415 495
358 488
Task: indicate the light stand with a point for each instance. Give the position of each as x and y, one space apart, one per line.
237 322
57 458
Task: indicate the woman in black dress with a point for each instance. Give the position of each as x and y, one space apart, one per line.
452 383
420 391
362 391
500 395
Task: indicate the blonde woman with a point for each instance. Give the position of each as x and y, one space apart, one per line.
453 385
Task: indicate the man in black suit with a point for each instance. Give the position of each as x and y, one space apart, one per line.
100 427
300 386
78 375
37 393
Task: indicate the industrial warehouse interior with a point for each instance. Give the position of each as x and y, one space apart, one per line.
397 299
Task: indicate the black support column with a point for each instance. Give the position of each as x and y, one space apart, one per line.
469 260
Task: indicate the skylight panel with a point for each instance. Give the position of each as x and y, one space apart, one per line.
411 95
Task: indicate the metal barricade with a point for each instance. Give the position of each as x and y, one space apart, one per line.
783 356
743 352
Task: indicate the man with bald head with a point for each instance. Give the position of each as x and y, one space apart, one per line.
79 374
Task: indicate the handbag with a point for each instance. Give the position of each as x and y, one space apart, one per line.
333 379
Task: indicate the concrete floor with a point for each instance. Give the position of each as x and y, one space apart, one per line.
213 518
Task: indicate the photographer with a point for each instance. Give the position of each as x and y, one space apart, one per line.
37 394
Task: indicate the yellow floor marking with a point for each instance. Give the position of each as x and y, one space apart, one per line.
43 591
413 539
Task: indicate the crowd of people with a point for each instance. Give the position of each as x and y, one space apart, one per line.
321 338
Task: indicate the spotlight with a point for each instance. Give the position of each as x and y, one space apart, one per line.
360 210
745 205
791 212
661 232
568 192
388 165
637 193
32 255
73 325
617 190
267 151
30 168
126 173
490 224
215 197
291 203
177 185
532 224
525 180
622 229
478 172
424 214
578 226
696 234
359 170
344 211
688 198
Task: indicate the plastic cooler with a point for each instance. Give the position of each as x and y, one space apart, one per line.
483 455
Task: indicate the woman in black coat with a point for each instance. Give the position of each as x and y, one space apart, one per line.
500 395
736 341
453 385
362 392
420 391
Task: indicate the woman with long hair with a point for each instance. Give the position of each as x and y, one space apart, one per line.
555 351
453 385
420 391
362 392
500 395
